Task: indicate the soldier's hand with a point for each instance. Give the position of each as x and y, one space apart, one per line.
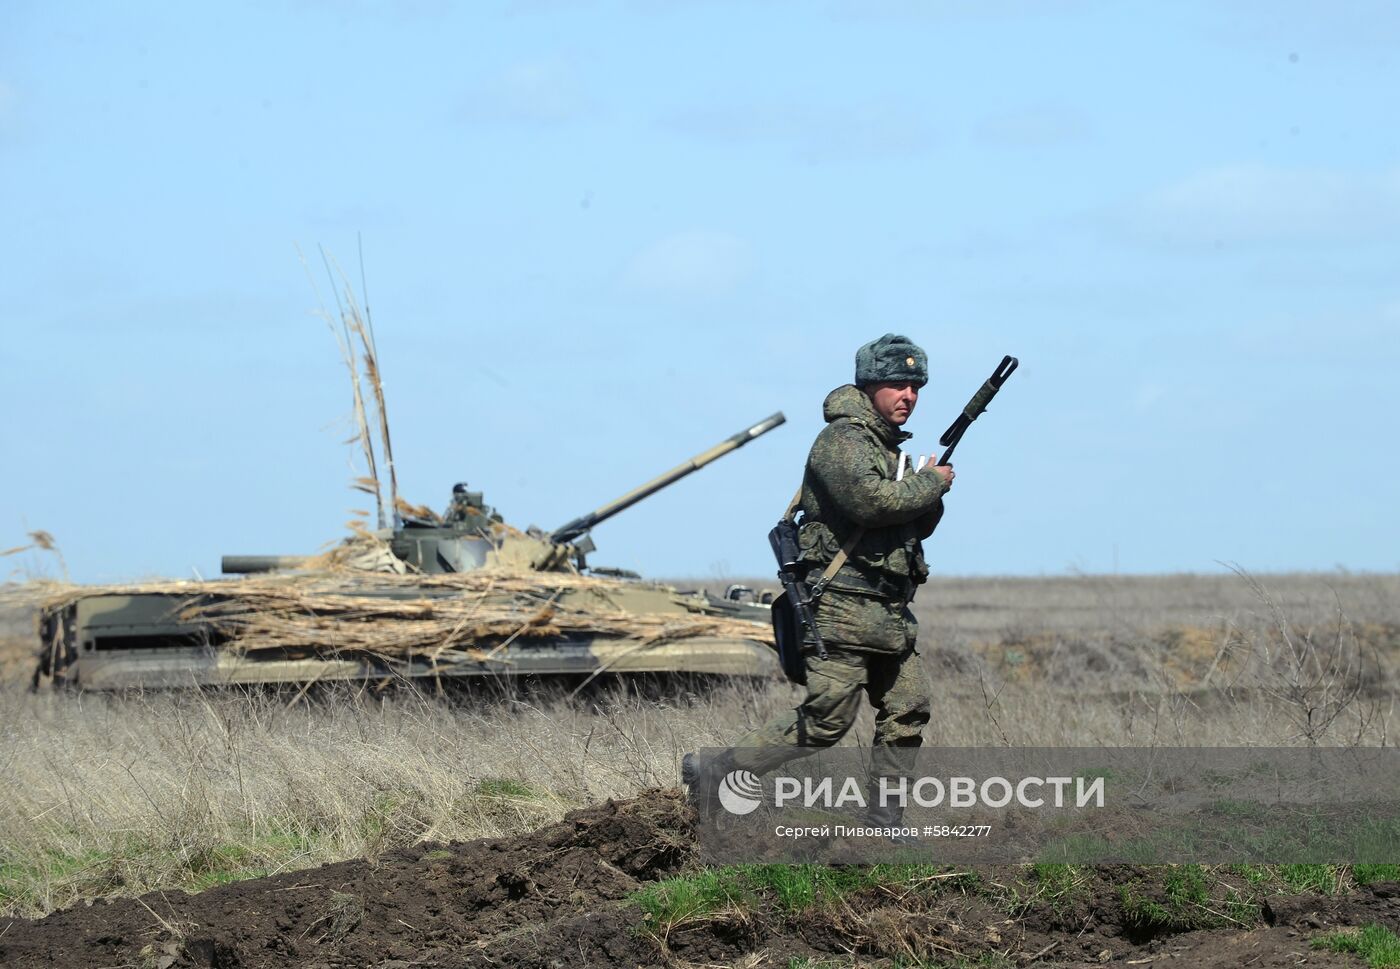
943 470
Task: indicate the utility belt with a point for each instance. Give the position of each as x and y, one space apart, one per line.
876 585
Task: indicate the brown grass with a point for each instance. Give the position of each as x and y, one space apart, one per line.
119 794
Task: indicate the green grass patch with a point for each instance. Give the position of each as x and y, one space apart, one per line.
794 888
676 901
1256 876
1379 946
34 886
1057 881
1145 912
505 787
1052 884
210 879
1171 898
1299 879
1322 879
25 884
54 864
1183 902
1186 885
1366 874
787 889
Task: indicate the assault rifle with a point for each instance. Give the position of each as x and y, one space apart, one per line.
792 611
976 406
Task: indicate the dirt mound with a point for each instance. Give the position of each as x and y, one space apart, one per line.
563 896
557 896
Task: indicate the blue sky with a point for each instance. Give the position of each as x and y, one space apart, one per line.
601 237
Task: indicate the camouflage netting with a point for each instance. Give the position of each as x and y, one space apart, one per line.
465 616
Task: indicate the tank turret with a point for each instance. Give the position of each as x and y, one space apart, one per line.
471 535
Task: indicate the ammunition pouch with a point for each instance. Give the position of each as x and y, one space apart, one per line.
867 574
918 567
817 545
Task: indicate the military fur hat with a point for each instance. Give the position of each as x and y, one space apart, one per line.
891 359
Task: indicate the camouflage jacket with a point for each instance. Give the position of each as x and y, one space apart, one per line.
850 483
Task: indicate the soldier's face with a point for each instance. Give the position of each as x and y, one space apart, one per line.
894 402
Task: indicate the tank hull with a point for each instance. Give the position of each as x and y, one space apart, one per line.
229 633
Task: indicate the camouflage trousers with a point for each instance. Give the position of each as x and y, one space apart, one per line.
895 684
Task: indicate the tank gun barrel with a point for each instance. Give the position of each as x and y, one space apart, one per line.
580 525
245 564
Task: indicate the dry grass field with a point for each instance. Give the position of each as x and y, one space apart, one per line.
115 795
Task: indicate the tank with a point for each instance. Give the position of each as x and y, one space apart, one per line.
458 594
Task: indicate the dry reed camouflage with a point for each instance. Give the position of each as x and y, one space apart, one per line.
863 615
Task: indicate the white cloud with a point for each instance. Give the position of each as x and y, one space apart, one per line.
1253 203
531 92
691 264
813 133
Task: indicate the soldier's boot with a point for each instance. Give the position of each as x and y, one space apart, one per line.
888 815
701 775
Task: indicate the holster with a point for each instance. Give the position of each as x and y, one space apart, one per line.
790 617
787 636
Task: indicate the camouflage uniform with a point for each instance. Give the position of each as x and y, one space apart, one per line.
863 615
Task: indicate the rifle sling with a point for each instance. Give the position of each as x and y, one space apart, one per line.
841 556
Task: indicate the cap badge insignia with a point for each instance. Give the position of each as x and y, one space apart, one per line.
909 361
